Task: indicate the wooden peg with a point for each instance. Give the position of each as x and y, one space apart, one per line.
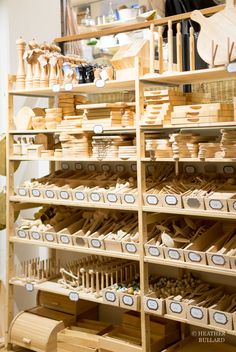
20 76
170 46
91 272
152 49
97 285
160 49
82 270
179 48
191 49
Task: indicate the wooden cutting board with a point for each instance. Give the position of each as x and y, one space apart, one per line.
217 28
23 119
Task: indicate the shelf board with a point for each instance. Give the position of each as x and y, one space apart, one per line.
73 204
119 130
189 77
52 158
190 266
188 127
87 88
77 249
200 213
192 160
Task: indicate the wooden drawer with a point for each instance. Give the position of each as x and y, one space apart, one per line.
57 302
35 332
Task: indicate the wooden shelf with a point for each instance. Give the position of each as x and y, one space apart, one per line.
189 77
73 204
123 130
76 249
190 266
188 127
86 88
192 160
52 158
200 213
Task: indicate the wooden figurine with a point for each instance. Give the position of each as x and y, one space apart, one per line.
20 76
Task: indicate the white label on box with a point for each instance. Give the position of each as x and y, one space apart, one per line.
49 237
97 129
111 197
78 166
64 239
65 166
131 248
194 257
190 169
91 167
29 287
22 192
229 170
129 198
64 195
152 200
36 192
68 86
231 67
234 205
128 300
49 194
95 197
152 304
176 307
56 88
105 167
215 204
171 200
120 168
21 234
173 254
134 167
196 313
220 318
218 259
154 251
74 296
35 235
79 195
96 243
110 296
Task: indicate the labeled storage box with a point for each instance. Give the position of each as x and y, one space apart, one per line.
152 250
154 305
111 297
128 301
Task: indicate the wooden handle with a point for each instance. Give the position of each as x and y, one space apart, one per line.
27 341
198 17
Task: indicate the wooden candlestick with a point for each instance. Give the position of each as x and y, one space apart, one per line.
20 76
179 48
170 46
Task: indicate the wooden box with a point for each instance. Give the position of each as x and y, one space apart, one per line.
65 236
22 191
64 194
176 308
112 197
132 302
111 297
113 245
95 242
232 205
219 318
80 195
151 250
197 314
50 192
172 201
21 233
51 234
36 235
37 192
152 199
193 203
154 305
35 332
96 196
218 201
130 247
173 253
129 198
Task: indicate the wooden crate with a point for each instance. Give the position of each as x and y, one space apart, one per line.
218 201
79 195
130 247
151 250
154 305
129 198
21 233
193 203
132 302
197 314
96 196
176 308
36 192
113 245
219 318
95 242
172 201
152 199
112 197
173 253
111 297
36 235
65 236
22 191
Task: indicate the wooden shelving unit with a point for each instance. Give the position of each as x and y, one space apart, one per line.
139 84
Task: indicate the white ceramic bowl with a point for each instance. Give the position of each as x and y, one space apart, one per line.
127 14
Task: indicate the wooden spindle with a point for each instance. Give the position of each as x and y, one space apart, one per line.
191 49
20 76
160 48
179 48
152 48
170 46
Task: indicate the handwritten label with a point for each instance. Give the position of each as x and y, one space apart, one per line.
36 193
35 235
131 248
65 166
129 198
68 86
78 166
29 287
196 313
176 308
229 170
152 200
91 167
218 259
49 237
22 192
111 197
193 203
128 300
190 169
64 195
110 296
21 234
120 168
154 251
79 195
171 200
49 194
152 304
56 88
173 254
194 257
74 296
96 243
64 239
97 129
95 197
220 318
215 204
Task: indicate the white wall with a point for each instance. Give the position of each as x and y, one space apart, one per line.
29 19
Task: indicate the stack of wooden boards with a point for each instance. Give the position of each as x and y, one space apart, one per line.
74 145
109 147
72 115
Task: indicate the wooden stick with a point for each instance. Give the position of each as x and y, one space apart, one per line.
160 48
191 49
170 46
152 48
179 48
